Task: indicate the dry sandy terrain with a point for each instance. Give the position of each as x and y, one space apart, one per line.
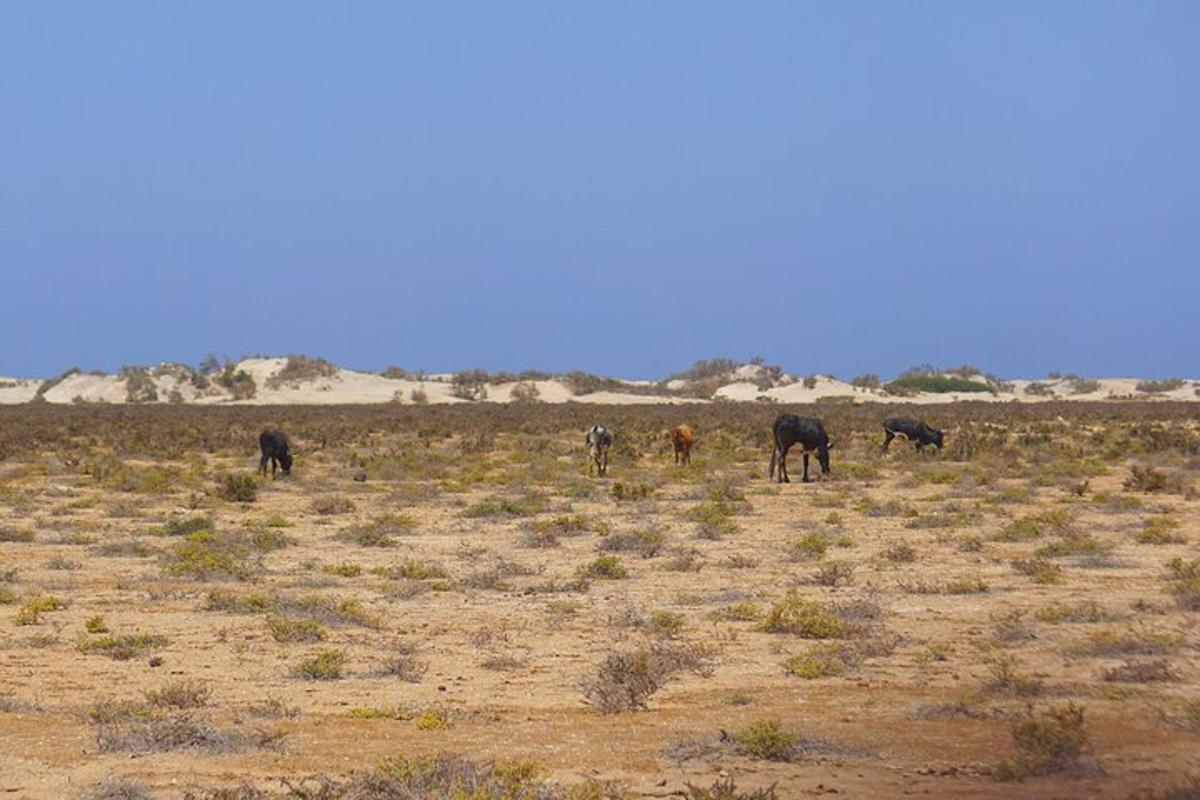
953 595
338 386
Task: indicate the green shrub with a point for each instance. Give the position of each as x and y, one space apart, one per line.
324 665
238 488
604 567
766 739
1050 741
937 384
124 647
285 629
805 618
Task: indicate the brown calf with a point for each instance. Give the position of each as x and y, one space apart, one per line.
682 439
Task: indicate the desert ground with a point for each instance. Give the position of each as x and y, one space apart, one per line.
440 601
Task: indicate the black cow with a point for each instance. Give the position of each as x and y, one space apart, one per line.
599 439
274 446
912 430
809 433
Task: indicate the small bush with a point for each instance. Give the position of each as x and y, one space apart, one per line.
325 665
626 679
180 694
1184 579
1160 387
238 488
647 543
766 739
1050 741
1159 530
124 647
604 567
622 492
804 618
936 384
30 612
330 504
182 526
284 629
1141 672
811 546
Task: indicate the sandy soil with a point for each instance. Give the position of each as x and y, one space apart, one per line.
350 387
505 659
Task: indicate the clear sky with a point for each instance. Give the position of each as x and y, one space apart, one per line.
621 187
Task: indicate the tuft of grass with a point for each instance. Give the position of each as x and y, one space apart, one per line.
96 624
1041 570
238 488
766 739
713 520
330 504
965 585
1049 741
606 567
810 547
324 665
205 554
1130 642
184 526
807 619
622 492
1184 577
285 629
30 612
250 603
900 553
646 543
180 694
834 573
410 569
123 647
1132 671
1083 611
1006 678
500 506
1159 530
738 612
16 535
380 532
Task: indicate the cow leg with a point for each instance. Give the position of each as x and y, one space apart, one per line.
920 446
604 458
887 439
783 473
805 479
262 465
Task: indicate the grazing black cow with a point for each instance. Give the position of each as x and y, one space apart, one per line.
911 430
598 441
274 446
809 433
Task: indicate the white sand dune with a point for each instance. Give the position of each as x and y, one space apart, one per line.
172 383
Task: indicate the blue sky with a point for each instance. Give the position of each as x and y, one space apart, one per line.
619 187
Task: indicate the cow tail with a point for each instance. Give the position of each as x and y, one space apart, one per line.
774 460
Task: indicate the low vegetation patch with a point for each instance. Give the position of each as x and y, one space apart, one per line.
1054 740
626 679
122 647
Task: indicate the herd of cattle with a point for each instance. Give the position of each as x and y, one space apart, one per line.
788 430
